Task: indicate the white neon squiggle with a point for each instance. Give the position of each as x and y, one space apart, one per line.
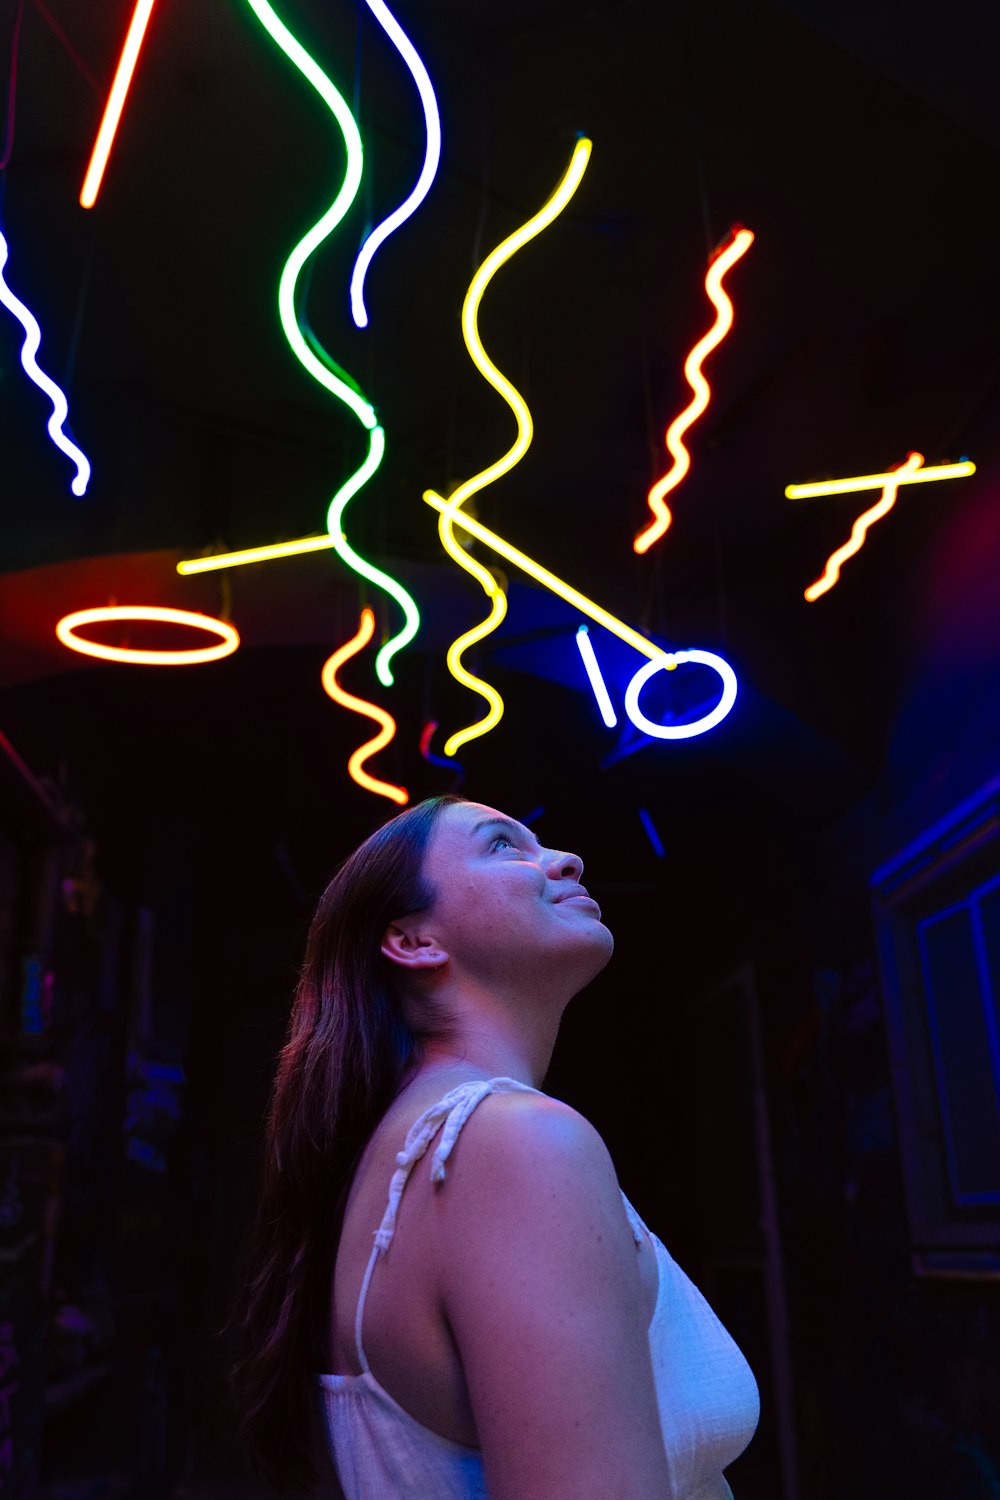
698 726
432 156
60 406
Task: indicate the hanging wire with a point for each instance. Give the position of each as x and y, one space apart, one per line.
67 46
8 144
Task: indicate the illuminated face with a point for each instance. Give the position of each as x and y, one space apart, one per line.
507 907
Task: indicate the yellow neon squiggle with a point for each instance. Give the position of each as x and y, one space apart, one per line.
861 527
564 191
879 481
364 752
728 256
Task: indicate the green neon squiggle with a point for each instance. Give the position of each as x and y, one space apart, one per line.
325 370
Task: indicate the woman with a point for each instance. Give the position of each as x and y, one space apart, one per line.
514 1331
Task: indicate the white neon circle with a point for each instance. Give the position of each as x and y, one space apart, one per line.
669 660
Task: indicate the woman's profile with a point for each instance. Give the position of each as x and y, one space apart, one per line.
447 1293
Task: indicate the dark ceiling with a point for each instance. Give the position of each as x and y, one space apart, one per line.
860 143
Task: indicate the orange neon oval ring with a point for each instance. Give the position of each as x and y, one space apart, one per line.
228 637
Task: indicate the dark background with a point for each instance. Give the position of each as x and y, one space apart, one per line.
166 833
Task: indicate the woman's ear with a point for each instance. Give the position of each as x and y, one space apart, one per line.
406 944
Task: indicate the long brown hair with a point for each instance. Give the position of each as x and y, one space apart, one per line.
348 1046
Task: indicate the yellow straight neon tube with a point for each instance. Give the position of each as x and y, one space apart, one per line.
254 554
879 481
549 580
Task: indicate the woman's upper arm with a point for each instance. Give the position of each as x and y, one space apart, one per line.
541 1288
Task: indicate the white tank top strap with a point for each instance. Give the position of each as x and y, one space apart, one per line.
453 1111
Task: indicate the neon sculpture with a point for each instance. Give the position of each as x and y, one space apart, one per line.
370 710
671 660
595 676
724 258
432 155
254 554
564 191
326 371
879 481
228 636
116 102
657 657
60 406
861 527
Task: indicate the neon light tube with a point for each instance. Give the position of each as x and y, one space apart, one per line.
651 832
657 657
226 645
326 371
498 608
567 186
347 554
725 257
355 765
255 554
593 670
860 529
522 416
333 380
548 580
879 481
432 155
116 101
671 660
60 406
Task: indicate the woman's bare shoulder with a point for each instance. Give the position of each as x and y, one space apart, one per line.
533 1143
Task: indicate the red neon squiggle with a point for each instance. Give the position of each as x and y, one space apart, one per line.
726 256
371 711
860 530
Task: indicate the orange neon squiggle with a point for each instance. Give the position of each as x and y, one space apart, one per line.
371 711
861 527
725 257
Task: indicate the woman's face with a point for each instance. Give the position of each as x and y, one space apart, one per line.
505 904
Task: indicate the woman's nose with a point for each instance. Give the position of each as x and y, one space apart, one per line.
565 865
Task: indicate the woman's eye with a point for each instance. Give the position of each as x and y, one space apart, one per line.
502 838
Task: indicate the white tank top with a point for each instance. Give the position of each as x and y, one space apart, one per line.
707 1396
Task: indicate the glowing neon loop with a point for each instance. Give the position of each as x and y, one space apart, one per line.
116 103
228 637
879 481
601 616
60 406
595 676
432 155
329 374
564 191
370 710
699 726
860 529
721 262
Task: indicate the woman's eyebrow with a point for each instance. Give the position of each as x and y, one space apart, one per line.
506 823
